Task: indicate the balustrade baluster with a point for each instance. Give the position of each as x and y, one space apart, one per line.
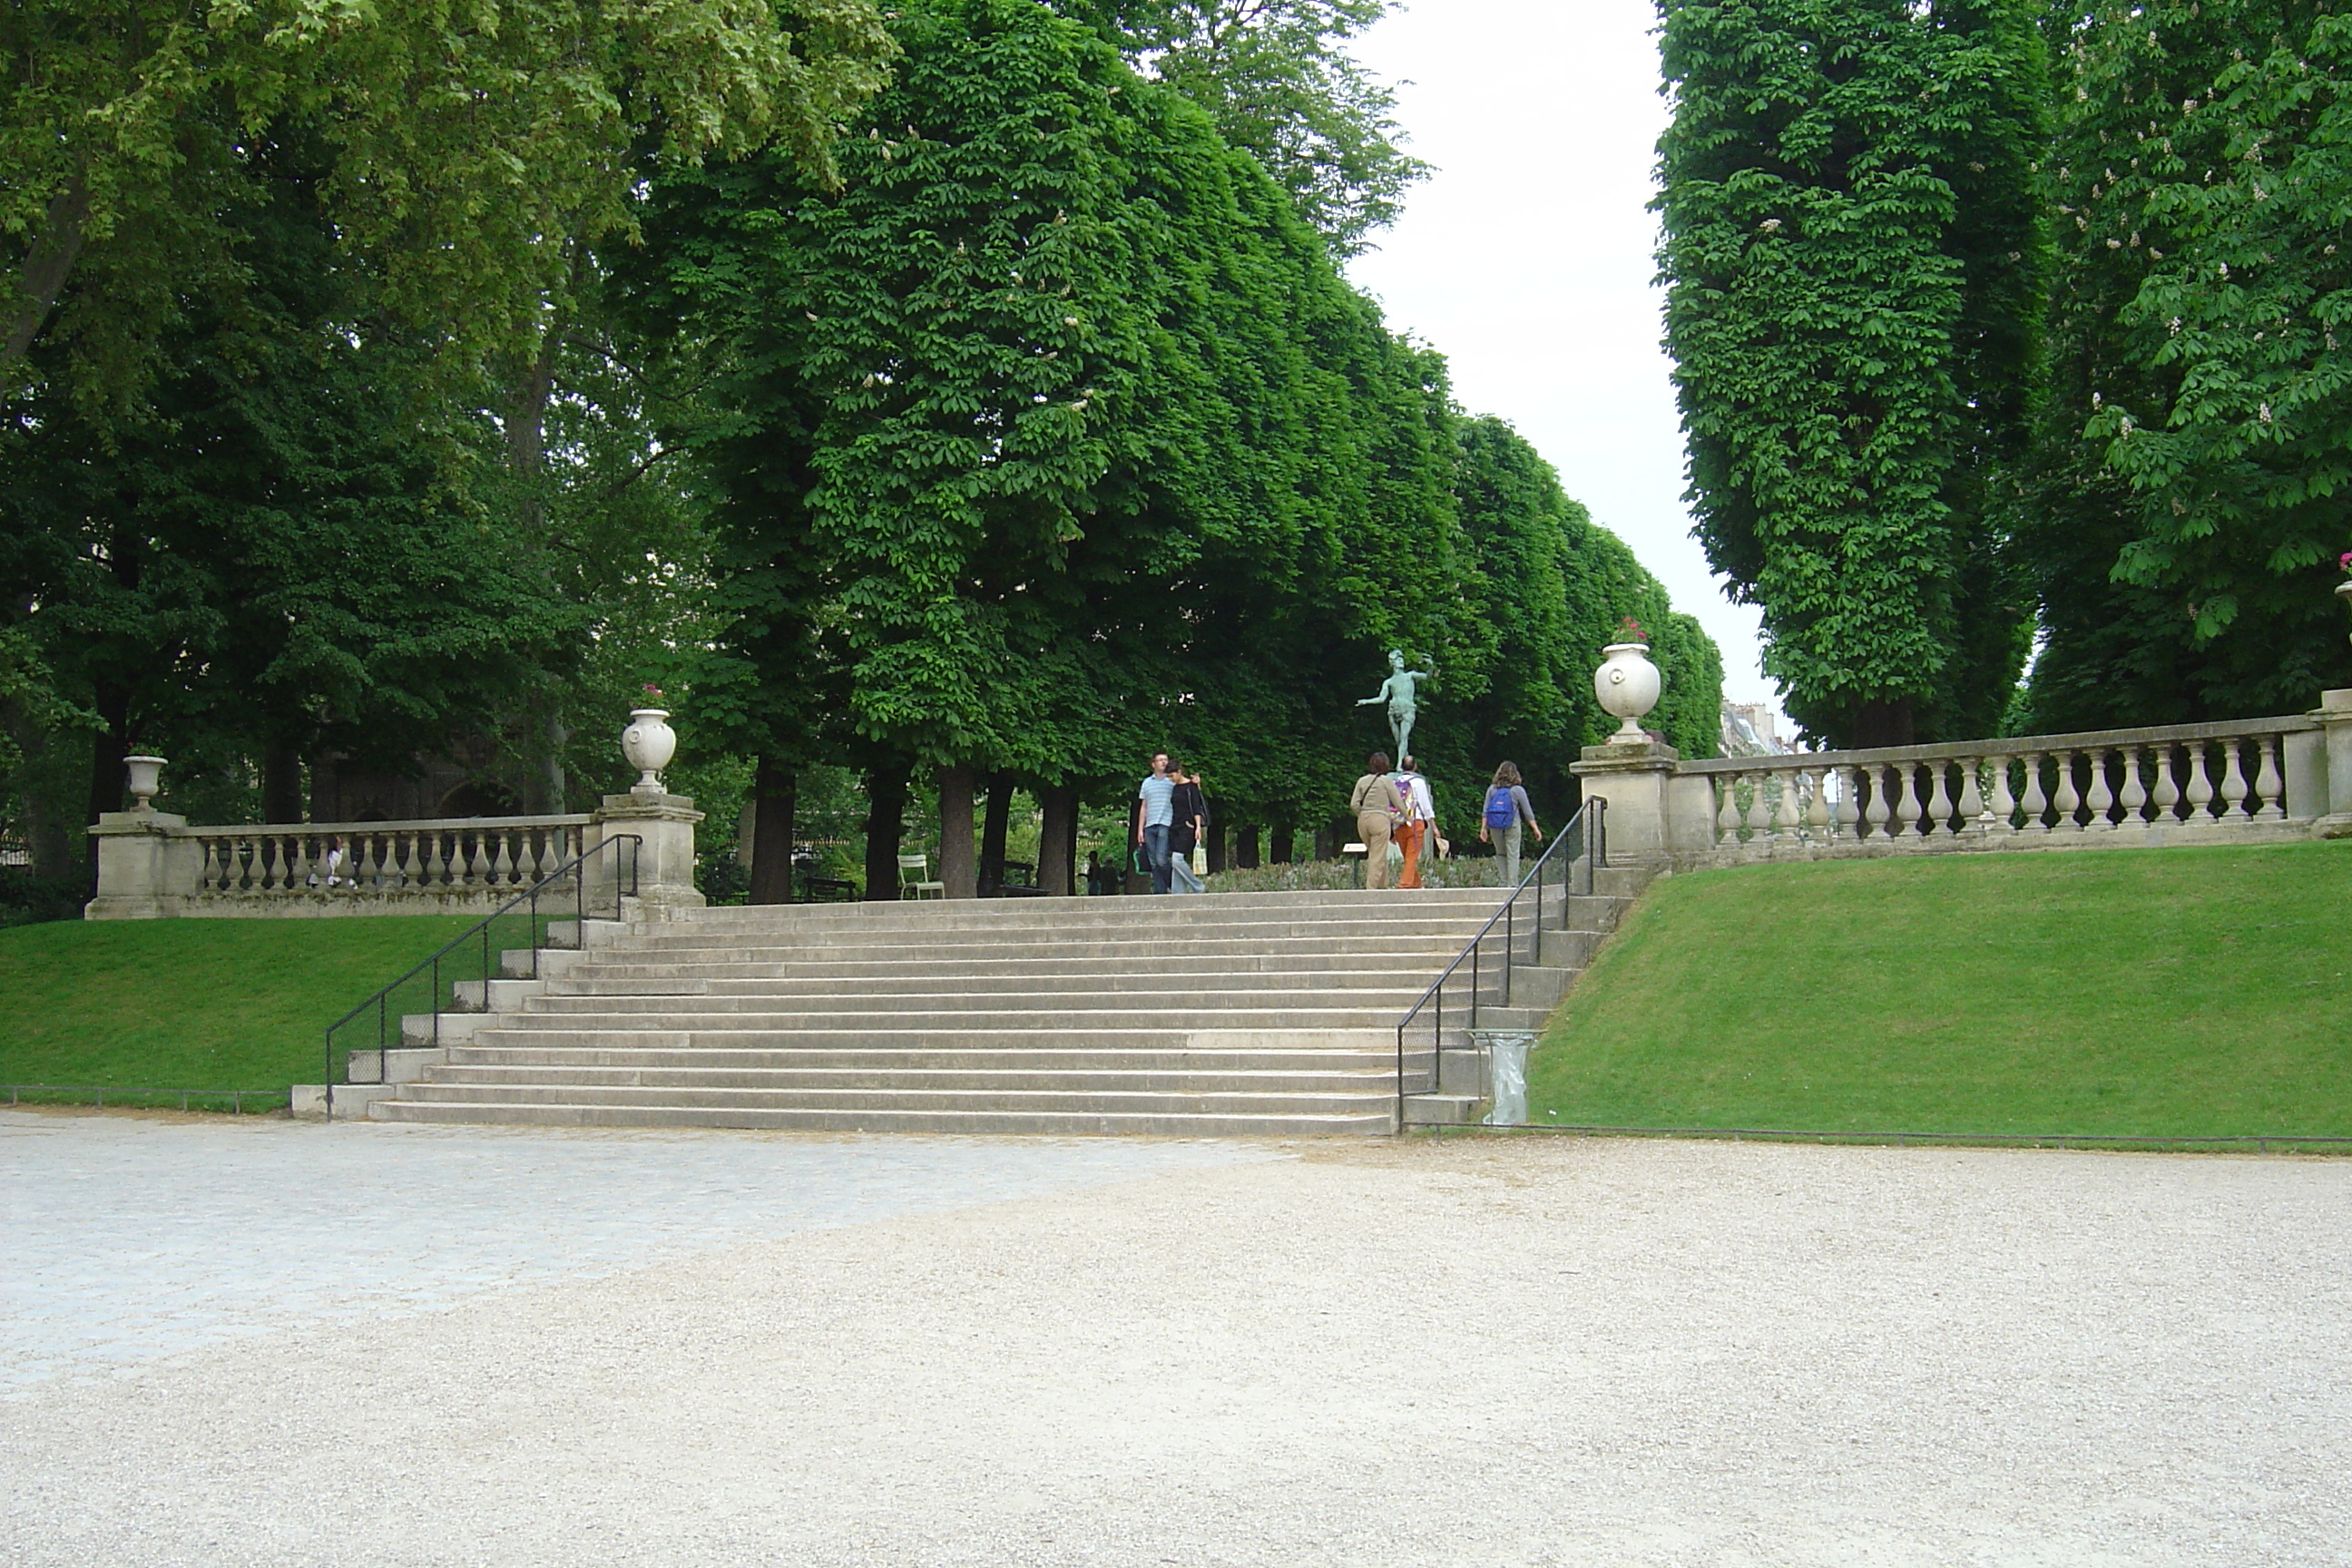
1817 804
1939 801
1875 814
2068 799
2200 784
502 869
1849 803
2004 798
2167 793
2233 782
1780 822
2103 794
2036 803
2132 796
2269 783
1727 811
1972 801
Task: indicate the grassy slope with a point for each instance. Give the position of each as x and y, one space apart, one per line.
192 1003
2168 992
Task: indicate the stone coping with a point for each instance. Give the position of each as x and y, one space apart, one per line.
2016 746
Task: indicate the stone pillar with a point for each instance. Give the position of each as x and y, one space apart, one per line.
664 823
1655 815
144 868
2331 764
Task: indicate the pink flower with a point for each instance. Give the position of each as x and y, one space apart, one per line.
2344 560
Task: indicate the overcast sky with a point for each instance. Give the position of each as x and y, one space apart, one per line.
1527 259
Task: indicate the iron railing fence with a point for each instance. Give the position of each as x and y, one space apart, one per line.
1481 972
235 1097
474 956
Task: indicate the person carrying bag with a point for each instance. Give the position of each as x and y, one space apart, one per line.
1379 807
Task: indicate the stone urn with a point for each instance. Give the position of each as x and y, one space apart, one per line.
145 772
649 743
1628 687
2344 591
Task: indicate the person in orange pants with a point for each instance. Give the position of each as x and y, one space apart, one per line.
1419 823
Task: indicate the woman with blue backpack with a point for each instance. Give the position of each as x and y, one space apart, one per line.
1506 811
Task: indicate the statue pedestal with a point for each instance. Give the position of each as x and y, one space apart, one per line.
1655 815
664 825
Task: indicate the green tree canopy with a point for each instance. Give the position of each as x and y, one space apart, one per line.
1854 265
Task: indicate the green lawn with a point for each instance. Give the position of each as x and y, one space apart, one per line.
193 1004
2164 993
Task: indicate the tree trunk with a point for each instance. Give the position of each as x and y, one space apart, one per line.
1057 841
1217 860
1245 850
775 799
1279 852
992 830
48 264
281 783
958 869
1878 724
109 784
49 833
886 814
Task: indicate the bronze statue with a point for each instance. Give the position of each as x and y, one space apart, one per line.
1397 692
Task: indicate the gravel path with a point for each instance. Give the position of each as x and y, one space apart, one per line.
1115 1352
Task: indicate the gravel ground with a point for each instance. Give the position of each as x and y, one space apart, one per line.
1114 1352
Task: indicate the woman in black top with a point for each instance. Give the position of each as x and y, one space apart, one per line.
1192 813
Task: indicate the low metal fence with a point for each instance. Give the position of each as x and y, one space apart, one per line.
236 1098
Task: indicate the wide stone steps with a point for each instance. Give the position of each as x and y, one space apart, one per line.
1184 1123
1219 1014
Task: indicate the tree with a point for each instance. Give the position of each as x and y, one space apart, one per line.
2187 509
1855 268
475 146
1277 78
283 557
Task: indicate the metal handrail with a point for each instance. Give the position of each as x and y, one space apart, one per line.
1588 828
381 1001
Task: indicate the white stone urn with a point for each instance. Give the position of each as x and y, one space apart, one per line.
1628 687
143 770
649 743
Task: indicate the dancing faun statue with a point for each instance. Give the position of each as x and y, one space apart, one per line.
1397 692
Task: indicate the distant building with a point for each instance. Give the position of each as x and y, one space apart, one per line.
1749 731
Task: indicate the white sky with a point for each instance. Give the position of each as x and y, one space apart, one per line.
1527 259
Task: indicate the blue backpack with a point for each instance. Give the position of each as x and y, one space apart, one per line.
1501 809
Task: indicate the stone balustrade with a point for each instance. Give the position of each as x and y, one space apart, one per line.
2177 783
2240 781
347 861
152 864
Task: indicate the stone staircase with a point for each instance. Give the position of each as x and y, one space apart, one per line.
1211 1015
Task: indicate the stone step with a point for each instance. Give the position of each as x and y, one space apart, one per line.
1377 1077
1211 998
1429 960
928 1036
1197 1099
883 1017
947 1058
1329 938
1221 906
739 993
1135 955
866 1119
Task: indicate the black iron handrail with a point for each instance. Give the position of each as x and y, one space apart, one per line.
1586 828
575 869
